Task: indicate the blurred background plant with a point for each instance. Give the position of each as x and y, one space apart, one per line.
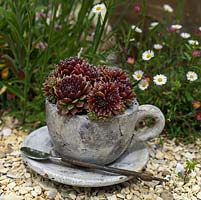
165 59
161 56
33 36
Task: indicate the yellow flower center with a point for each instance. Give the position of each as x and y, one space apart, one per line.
144 84
98 8
191 76
160 79
148 55
139 76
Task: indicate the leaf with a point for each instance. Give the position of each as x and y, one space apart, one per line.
15 90
186 55
9 62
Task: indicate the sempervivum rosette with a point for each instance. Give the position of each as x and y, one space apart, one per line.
71 95
109 74
104 100
126 93
77 87
89 71
112 74
49 87
66 67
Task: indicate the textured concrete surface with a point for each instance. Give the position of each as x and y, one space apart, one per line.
135 158
100 142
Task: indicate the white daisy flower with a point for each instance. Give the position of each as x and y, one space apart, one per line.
193 42
136 29
199 28
158 46
143 84
147 55
185 35
176 26
168 8
99 8
180 169
153 24
160 79
191 76
132 39
138 75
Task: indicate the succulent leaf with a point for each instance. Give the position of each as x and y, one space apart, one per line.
71 93
49 88
104 100
67 66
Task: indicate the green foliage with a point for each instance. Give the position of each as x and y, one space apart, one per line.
34 35
189 168
174 60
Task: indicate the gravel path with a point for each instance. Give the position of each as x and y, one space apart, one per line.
17 182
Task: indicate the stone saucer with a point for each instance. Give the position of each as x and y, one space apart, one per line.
135 158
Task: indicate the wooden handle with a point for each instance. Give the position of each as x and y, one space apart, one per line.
140 175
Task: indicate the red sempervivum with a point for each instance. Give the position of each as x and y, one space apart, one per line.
49 87
71 94
109 74
66 67
126 93
104 100
89 71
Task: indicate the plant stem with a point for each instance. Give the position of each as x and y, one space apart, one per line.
46 56
100 33
28 52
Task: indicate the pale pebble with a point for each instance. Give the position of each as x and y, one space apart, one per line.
113 197
72 195
159 155
13 197
6 131
198 195
11 185
33 193
51 193
121 196
38 190
23 190
129 196
189 156
196 188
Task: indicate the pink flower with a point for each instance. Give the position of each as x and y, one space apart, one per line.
137 8
41 45
130 60
170 29
196 53
40 14
198 32
58 26
198 116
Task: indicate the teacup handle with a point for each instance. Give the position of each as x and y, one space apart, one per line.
145 111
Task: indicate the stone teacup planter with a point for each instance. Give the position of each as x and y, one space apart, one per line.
100 142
